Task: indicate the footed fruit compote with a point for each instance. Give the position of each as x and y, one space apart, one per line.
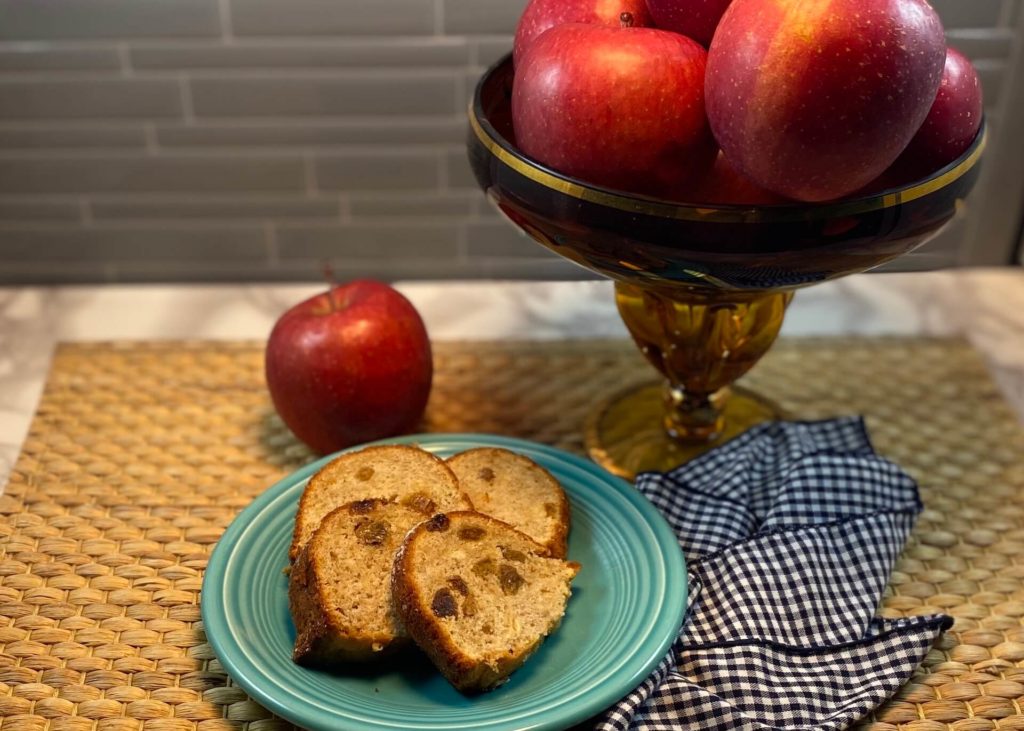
702 288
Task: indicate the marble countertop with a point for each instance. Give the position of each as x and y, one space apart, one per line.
986 306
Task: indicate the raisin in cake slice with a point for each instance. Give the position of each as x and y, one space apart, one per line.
396 473
339 592
517 490
477 596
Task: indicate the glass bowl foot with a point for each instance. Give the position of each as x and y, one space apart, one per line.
626 433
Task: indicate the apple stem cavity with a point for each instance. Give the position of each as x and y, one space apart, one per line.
626 19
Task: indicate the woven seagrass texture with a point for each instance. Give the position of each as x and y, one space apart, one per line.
141 454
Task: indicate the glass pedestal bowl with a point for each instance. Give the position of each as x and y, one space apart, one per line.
703 289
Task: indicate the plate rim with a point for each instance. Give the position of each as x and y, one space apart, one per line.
669 618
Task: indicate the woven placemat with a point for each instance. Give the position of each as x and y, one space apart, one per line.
141 454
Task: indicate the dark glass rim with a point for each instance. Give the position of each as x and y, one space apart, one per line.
498 146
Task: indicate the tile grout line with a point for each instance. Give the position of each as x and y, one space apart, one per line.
149 134
124 58
309 172
270 238
461 243
443 174
85 209
187 107
439 17
226 27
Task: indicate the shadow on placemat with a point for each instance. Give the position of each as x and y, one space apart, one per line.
141 454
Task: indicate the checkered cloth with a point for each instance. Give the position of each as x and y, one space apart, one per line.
790 532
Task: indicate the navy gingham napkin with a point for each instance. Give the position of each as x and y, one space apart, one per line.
790 532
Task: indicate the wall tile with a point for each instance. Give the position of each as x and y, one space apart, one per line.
37 210
83 99
973 14
51 272
551 268
44 57
499 238
330 17
163 242
386 270
412 269
487 50
226 269
412 204
211 207
411 130
482 16
978 43
393 93
460 174
991 72
405 52
419 240
45 19
389 169
137 173
24 137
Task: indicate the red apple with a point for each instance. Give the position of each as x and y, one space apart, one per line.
725 185
813 100
617 107
349 366
952 121
539 15
696 19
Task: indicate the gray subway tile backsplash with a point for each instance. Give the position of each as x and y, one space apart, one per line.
991 73
353 94
424 239
383 169
22 136
459 173
981 43
331 17
360 52
386 270
31 20
481 16
395 205
154 243
253 206
75 98
489 49
154 140
972 14
50 57
132 173
497 237
39 210
312 132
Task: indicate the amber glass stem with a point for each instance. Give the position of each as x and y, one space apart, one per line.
701 342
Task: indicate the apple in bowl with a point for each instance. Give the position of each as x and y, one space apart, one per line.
618 107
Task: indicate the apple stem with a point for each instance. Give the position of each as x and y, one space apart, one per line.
626 19
329 277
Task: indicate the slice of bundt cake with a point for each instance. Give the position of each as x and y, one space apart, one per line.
517 490
396 473
477 596
339 587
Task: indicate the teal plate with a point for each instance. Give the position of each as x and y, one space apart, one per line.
625 611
